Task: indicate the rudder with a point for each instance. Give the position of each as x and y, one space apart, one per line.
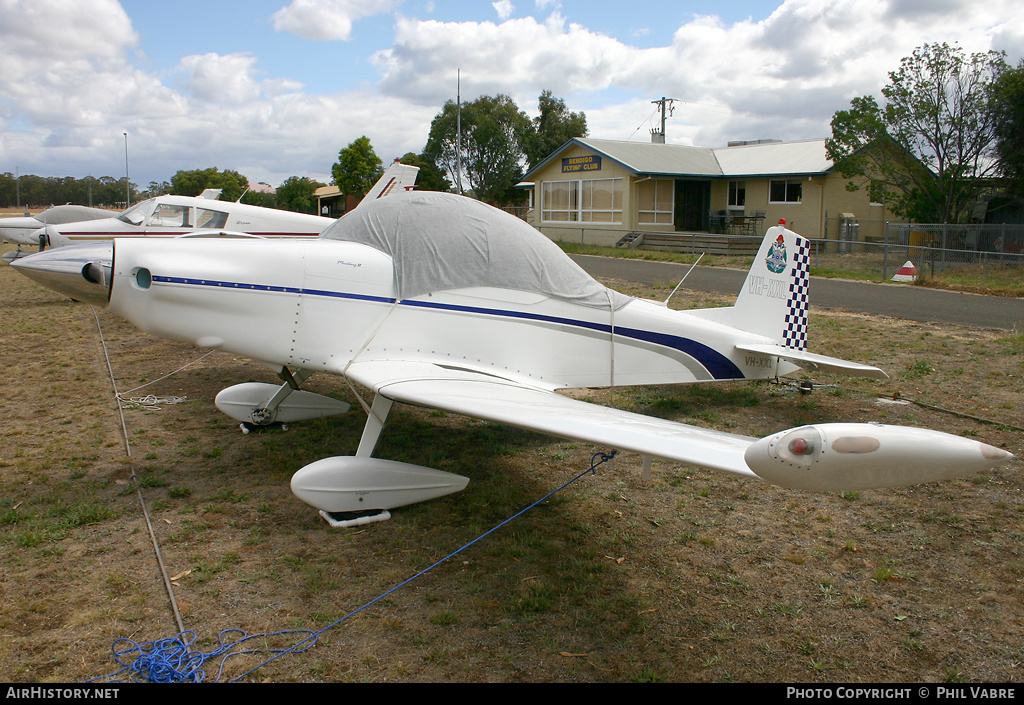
774 299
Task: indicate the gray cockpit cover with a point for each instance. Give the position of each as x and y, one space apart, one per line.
443 241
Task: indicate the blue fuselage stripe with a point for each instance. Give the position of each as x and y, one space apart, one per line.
719 366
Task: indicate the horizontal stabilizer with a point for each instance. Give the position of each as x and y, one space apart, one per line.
810 361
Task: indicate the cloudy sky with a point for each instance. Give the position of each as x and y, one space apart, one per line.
274 88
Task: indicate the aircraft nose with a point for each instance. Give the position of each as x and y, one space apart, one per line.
82 272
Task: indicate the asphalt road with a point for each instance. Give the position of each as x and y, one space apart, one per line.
898 300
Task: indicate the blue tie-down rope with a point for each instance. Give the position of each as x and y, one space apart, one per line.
171 661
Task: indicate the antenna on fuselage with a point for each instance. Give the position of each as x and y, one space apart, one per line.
665 302
458 131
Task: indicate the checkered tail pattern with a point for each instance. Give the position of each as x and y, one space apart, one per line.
794 334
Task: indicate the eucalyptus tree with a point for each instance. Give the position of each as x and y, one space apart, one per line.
1008 113
929 151
358 168
494 132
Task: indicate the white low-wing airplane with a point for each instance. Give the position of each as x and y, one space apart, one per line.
175 216
441 301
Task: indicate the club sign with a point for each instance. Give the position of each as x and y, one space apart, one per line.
589 162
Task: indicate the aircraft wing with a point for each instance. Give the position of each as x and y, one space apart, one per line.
811 361
492 398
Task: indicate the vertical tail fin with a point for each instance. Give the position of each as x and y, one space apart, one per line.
773 303
774 298
396 178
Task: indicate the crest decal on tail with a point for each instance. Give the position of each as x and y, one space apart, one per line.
776 259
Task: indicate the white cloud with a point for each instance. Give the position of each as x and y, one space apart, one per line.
68 93
504 8
517 56
783 76
69 88
213 78
68 30
327 20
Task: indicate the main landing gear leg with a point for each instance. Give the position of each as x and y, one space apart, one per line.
374 425
264 414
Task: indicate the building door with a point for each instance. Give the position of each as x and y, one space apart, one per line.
693 201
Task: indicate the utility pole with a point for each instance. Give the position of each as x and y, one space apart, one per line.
665 104
127 179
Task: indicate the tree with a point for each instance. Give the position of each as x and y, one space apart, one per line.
40 192
194 182
298 193
357 169
158 188
494 134
264 199
552 128
928 153
1008 113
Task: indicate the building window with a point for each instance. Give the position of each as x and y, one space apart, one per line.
591 201
601 201
560 201
656 200
737 194
782 191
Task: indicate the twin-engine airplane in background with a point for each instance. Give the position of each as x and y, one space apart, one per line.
177 216
441 301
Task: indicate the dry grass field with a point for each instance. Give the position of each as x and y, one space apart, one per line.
690 577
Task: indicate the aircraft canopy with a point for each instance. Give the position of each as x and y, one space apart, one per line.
443 241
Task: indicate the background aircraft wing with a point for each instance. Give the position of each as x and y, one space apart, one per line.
492 398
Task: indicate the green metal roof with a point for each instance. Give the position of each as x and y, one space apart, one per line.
762 159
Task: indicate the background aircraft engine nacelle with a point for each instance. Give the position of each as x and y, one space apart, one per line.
358 484
850 456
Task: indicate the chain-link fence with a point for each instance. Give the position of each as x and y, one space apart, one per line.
935 251
856 248
941 247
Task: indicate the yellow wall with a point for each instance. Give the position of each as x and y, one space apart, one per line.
823 199
588 233
870 217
